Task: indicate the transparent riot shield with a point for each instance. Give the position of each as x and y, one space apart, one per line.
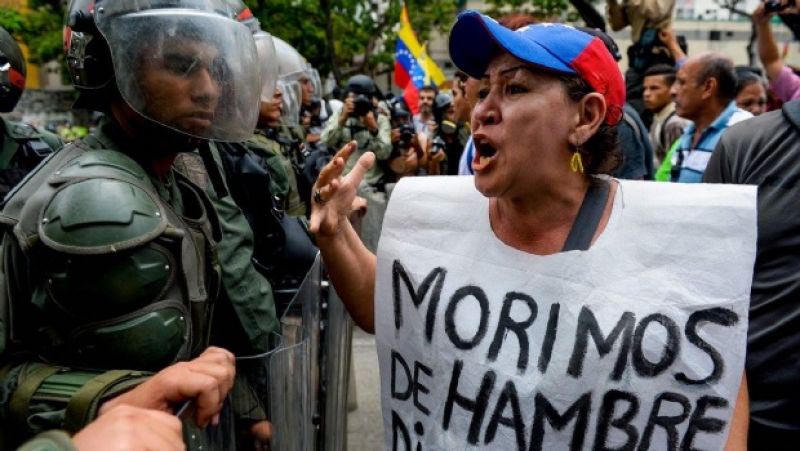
277 390
337 346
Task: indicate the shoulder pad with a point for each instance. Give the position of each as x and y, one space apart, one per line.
102 163
103 203
21 130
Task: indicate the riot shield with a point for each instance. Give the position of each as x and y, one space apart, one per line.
338 336
278 389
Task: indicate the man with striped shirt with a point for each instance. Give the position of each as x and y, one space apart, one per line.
704 92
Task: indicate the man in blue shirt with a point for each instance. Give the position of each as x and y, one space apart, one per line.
704 90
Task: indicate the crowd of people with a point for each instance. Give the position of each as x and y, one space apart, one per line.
139 259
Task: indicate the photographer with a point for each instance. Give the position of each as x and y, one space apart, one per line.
408 155
360 121
646 19
783 82
449 137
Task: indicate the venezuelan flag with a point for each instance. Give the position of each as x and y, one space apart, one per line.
413 69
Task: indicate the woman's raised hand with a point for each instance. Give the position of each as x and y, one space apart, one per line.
333 194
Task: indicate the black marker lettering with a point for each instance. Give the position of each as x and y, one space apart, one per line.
435 278
507 324
587 325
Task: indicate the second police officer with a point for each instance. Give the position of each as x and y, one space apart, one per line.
22 146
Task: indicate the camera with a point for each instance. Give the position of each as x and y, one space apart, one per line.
361 105
774 6
406 134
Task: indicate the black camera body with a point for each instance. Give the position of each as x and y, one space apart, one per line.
406 134
774 6
361 105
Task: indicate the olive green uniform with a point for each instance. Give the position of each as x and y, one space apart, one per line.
281 170
110 273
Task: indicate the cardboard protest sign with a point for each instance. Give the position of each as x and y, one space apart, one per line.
636 344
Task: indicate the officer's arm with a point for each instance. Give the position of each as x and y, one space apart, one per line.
37 397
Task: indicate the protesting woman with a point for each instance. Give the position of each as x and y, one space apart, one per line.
486 293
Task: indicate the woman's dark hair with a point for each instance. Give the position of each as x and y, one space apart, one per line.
600 153
747 78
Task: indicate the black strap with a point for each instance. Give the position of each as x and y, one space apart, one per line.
585 225
212 169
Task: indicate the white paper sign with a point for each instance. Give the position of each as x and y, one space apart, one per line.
636 344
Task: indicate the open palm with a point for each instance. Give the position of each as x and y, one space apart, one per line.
337 192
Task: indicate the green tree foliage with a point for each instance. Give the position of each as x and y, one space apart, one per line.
39 28
349 36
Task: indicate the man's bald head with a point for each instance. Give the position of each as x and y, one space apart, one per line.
719 67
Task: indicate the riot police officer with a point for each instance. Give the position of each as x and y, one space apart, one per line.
22 146
115 261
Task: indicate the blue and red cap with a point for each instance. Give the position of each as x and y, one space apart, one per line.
475 39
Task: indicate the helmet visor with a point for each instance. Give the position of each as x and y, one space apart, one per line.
190 70
292 98
268 62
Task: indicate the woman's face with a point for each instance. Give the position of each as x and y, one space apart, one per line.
520 126
752 98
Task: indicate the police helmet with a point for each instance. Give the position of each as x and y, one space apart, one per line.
151 51
293 71
361 84
441 104
12 72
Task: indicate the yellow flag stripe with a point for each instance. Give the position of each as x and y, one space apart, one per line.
406 34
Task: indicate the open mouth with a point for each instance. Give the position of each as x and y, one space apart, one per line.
484 153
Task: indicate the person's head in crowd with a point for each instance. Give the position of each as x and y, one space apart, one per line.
427 94
166 75
269 114
443 108
465 94
657 84
12 72
704 86
361 88
306 89
548 84
751 93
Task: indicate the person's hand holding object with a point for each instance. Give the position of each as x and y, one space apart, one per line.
206 379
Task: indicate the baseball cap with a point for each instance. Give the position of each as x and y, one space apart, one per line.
475 39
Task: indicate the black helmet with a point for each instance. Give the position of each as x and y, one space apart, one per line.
441 104
12 72
361 84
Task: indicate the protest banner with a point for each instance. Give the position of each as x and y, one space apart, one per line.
636 344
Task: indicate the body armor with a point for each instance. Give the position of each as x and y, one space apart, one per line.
114 276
